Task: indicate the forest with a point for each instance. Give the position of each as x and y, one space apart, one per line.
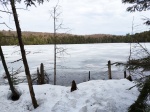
37 38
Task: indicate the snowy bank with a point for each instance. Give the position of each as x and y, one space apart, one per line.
92 96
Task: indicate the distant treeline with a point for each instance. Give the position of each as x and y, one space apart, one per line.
9 38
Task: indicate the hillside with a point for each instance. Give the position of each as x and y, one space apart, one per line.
39 38
45 34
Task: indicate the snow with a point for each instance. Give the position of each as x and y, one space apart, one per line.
91 96
96 95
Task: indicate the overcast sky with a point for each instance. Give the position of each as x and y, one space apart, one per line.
80 16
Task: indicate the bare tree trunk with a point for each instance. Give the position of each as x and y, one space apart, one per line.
13 90
55 64
55 16
54 46
34 102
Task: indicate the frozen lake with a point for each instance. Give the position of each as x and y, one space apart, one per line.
74 64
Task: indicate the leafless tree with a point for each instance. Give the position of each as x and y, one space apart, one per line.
55 13
27 71
19 35
15 94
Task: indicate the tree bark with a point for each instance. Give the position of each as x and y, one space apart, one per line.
34 102
12 88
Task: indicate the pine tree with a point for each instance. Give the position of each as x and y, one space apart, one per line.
140 105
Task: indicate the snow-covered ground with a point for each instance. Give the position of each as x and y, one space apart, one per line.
91 96
75 64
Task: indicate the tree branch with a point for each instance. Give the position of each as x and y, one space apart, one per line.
23 9
6 25
6 11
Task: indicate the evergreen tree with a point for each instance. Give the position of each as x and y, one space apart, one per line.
140 105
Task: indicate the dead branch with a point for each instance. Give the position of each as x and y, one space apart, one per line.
16 60
6 25
20 58
23 9
134 86
61 50
144 49
5 11
17 71
34 79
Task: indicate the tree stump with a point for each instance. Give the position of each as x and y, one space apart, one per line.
129 78
73 86
39 77
42 73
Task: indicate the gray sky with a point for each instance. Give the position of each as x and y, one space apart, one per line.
81 16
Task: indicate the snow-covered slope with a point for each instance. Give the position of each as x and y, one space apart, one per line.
92 96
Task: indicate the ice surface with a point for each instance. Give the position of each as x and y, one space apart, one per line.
76 63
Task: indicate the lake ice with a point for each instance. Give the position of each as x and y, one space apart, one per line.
73 64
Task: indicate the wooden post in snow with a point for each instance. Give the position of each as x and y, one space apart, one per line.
42 73
125 74
39 76
89 75
109 70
